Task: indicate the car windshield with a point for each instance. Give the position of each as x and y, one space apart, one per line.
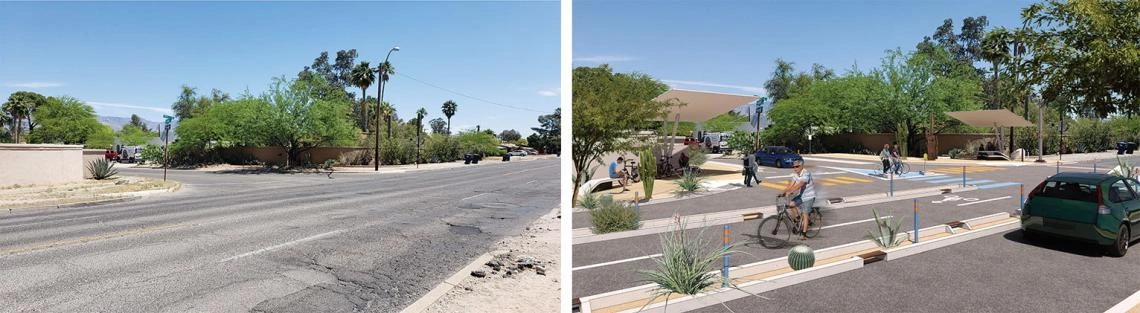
782 150
1069 191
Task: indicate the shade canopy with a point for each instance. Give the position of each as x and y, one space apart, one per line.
990 118
701 106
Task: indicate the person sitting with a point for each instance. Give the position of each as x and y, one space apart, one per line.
621 175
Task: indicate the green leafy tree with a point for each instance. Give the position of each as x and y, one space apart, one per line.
510 135
102 138
64 120
478 142
725 122
420 115
1085 53
295 119
132 135
449 108
184 107
778 86
608 108
438 126
387 112
548 136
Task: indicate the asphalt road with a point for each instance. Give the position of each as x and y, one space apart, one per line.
613 264
269 242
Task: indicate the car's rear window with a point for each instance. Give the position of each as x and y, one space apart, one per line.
1069 191
783 151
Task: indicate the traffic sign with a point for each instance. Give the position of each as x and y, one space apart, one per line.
168 118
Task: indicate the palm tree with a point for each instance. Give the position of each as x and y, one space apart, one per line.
449 111
995 48
363 77
17 109
387 112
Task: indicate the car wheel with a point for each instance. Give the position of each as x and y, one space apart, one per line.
1120 246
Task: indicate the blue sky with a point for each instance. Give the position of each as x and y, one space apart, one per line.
731 46
132 57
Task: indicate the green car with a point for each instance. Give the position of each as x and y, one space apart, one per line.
1096 208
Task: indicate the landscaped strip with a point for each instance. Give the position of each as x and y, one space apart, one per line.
763 276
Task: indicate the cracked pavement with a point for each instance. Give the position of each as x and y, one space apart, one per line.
358 242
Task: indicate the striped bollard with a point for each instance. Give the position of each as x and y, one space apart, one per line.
915 221
724 272
1021 202
636 204
963 176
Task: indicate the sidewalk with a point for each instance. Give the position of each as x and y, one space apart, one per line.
384 169
1029 159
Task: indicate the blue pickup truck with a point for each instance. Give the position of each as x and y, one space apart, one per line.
778 156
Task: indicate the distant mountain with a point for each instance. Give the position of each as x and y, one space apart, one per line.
117 124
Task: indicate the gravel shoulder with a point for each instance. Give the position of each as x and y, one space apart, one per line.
88 190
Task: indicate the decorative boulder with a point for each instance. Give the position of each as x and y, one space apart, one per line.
801 257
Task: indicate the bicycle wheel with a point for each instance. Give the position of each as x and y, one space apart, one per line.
769 233
905 168
815 223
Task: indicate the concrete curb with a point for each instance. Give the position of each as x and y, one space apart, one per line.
125 197
1130 304
686 303
441 289
585 235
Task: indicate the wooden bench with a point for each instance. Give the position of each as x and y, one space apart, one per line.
589 186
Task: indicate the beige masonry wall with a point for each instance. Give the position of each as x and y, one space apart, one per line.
90 155
40 164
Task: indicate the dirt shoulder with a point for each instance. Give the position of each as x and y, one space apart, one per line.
527 279
88 190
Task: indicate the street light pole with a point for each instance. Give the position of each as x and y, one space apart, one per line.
380 94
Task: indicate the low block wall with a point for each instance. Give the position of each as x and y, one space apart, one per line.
276 155
40 164
875 142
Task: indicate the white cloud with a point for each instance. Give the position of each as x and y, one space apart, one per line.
34 85
752 89
129 106
550 92
604 59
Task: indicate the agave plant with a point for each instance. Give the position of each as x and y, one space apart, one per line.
1123 168
102 169
687 264
589 201
689 183
886 235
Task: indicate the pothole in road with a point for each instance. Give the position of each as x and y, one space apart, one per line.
464 229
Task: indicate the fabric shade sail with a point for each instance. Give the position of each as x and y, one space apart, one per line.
700 106
990 118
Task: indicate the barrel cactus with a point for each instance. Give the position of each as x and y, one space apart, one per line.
801 257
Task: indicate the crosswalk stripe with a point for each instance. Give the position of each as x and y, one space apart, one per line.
773 186
861 180
828 184
836 181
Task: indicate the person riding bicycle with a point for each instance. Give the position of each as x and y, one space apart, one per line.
885 156
804 187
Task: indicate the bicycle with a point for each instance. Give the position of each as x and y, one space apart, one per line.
769 233
633 170
899 167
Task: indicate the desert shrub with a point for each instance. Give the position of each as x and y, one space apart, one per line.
102 169
1090 135
697 157
355 157
152 154
687 264
955 153
589 201
690 182
440 148
479 143
611 216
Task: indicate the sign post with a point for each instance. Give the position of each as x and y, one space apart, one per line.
166 146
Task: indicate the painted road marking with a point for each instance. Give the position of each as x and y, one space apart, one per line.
928 177
90 239
789 175
980 181
615 262
856 222
987 200
835 161
471 197
945 180
952 198
280 246
997 185
837 181
773 185
853 179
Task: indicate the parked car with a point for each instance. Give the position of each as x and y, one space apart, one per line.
1096 208
778 156
717 142
530 151
517 153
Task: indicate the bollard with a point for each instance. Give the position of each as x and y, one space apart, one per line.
724 272
891 189
1021 202
963 176
915 221
636 204
1058 167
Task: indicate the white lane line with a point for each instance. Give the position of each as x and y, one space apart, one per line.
835 161
280 246
471 197
855 222
986 200
615 262
1129 304
528 170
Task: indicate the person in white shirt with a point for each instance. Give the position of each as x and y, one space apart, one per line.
804 187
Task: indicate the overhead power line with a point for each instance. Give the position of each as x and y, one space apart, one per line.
405 75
